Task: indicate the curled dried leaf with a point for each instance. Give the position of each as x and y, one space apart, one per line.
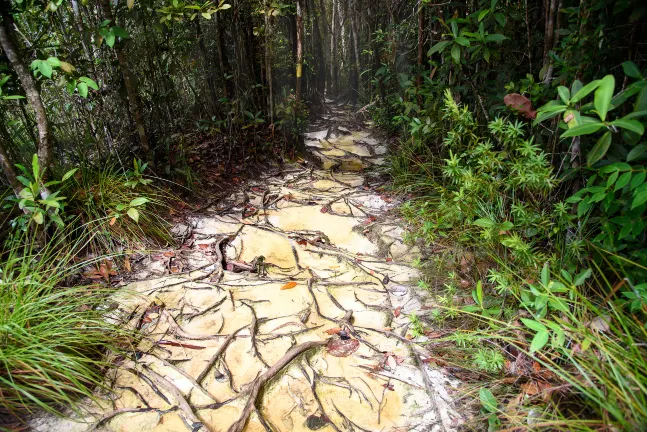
289 285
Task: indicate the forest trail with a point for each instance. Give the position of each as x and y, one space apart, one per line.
247 335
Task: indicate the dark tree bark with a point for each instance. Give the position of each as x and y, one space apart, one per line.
268 64
228 87
421 46
320 57
299 42
131 88
549 34
8 170
334 66
10 48
354 72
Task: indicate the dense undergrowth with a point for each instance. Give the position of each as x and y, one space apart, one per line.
542 280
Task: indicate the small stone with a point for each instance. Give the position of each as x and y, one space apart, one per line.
315 422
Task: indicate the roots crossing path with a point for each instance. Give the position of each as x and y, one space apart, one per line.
289 312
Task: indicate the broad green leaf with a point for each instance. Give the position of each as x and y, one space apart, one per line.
583 129
71 86
545 275
83 89
639 199
12 97
224 7
45 69
599 149
487 400
51 203
133 213
545 115
485 223
539 341
130 3
637 180
632 125
631 70
110 39
582 277
54 62
636 152
497 37
38 217
89 82
57 219
206 15
533 325
584 91
564 94
483 13
603 96
35 166
622 181
439 47
456 53
462 41
120 32
138 201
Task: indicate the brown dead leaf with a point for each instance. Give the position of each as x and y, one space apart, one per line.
289 285
388 386
530 388
127 265
169 254
203 246
342 348
397 311
333 331
112 221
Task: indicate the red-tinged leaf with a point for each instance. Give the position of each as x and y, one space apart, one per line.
203 246
372 218
147 319
371 376
324 209
175 269
230 267
169 254
289 285
390 360
388 386
333 331
397 311
182 345
302 242
258 189
342 348
389 259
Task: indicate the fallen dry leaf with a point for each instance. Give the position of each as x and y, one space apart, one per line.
342 348
112 221
169 254
397 311
203 246
289 285
127 265
389 259
333 331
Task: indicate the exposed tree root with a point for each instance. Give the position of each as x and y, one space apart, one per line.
255 386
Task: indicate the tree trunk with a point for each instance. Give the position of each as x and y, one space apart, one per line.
549 35
354 79
268 64
211 85
320 57
10 49
421 45
9 172
131 88
299 51
334 67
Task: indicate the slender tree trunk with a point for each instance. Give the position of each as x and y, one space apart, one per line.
299 32
10 48
318 49
324 43
211 85
334 67
131 88
549 35
7 168
354 79
268 63
421 46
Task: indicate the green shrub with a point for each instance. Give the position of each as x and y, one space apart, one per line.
54 338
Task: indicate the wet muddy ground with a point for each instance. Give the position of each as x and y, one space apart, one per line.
286 309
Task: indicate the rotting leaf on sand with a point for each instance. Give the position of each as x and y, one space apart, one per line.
289 285
342 348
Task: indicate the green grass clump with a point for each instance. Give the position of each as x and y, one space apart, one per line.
54 338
